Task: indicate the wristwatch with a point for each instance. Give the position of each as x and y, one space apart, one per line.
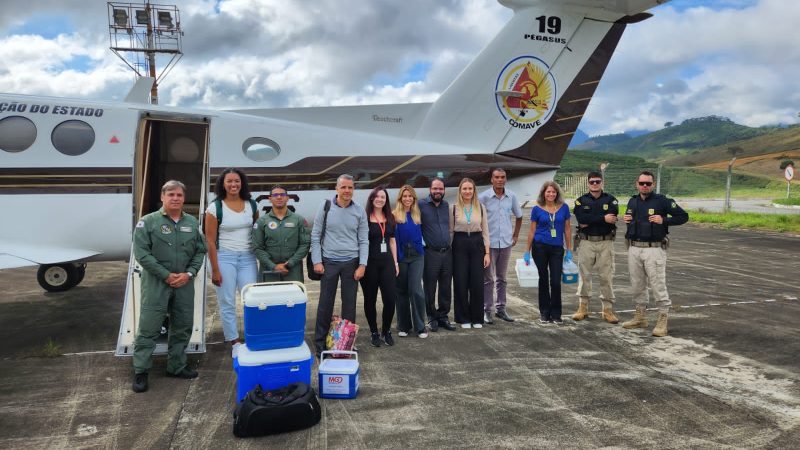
190 275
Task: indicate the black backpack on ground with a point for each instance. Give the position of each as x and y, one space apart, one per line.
290 408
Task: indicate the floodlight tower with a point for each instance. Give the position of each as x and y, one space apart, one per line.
139 31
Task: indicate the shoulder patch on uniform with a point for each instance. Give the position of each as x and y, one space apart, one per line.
614 202
255 226
305 223
578 202
674 205
140 224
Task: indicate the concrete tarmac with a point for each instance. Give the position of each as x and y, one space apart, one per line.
726 377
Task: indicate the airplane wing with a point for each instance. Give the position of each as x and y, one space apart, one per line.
24 255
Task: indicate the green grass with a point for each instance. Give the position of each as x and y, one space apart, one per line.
50 349
791 201
773 222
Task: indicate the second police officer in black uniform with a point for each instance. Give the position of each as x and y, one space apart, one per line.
648 217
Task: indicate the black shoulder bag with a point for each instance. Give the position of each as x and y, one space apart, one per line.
310 264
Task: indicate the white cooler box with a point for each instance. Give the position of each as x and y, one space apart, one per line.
528 276
338 378
272 369
274 315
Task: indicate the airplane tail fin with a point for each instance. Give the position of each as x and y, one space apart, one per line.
525 93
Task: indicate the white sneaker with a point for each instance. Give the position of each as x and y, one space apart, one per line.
235 349
423 335
402 333
477 325
466 325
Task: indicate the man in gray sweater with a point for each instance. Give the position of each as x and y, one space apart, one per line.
340 254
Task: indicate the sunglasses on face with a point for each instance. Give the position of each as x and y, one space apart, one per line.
595 181
645 183
279 194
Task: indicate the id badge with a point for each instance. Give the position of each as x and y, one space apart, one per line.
383 247
552 232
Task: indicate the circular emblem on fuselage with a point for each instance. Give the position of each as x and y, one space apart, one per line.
528 92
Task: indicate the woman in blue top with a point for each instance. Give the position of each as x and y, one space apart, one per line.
549 234
410 254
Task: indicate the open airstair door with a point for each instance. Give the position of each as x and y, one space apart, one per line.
168 148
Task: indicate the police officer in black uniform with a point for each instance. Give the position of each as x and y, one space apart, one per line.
596 214
648 217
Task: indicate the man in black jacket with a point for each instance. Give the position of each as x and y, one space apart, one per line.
648 217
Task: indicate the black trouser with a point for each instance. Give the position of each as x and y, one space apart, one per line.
335 270
549 260
438 270
381 274
468 253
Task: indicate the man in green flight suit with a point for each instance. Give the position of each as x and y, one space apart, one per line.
280 240
169 246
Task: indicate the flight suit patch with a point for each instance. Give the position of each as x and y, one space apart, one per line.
140 224
272 225
289 225
166 229
186 229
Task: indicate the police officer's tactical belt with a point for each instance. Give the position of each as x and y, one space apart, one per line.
644 244
608 237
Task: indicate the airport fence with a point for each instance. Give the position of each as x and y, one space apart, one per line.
678 182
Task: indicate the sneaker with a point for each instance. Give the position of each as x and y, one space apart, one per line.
235 349
140 382
543 321
402 333
487 318
387 337
558 321
423 335
477 325
376 339
185 373
466 325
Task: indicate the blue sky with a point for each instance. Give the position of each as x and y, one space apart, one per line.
735 58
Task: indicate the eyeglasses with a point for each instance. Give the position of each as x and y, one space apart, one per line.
279 194
645 183
595 181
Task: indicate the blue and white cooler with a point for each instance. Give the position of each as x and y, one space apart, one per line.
272 369
274 315
338 378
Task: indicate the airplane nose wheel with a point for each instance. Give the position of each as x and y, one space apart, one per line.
60 277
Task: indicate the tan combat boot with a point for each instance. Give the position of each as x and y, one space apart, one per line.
639 319
661 325
582 312
608 313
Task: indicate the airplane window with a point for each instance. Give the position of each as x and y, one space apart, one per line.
73 137
16 133
260 149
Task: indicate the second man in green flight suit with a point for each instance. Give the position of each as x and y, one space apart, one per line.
280 240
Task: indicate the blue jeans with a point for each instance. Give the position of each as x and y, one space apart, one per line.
237 269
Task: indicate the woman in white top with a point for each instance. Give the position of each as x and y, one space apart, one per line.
232 262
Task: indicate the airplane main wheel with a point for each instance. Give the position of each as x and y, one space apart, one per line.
81 268
57 277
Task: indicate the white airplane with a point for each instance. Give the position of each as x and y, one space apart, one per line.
76 175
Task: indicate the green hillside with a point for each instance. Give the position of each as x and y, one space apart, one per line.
677 140
784 140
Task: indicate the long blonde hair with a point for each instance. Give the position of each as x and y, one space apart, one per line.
475 205
399 211
559 195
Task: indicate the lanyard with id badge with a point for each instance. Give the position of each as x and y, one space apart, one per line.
552 216
382 226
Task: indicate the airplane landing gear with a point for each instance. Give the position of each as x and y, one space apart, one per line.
60 277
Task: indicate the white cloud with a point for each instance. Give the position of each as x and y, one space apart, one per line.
684 62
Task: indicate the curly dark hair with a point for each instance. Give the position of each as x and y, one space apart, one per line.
387 210
219 187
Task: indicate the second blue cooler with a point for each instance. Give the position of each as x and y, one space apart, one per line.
274 315
271 369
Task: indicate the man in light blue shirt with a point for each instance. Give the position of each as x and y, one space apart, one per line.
500 204
341 254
